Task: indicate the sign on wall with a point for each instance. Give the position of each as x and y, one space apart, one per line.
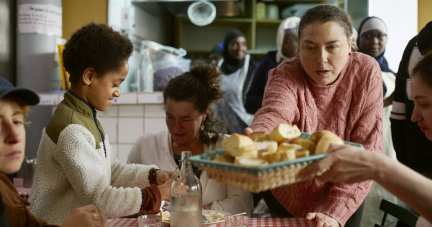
40 18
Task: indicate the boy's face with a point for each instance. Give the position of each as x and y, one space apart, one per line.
104 88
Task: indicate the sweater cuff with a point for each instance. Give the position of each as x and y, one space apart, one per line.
152 199
150 177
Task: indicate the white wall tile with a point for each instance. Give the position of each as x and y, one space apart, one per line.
110 128
110 112
114 151
130 129
131 111
127 98
154 110
154 125
123 152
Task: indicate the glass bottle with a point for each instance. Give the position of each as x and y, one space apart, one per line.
145 73
186 196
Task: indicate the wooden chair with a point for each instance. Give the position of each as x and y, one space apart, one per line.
398 212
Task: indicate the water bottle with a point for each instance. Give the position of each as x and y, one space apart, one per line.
145 73
186 196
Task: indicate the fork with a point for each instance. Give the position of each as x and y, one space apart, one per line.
204 218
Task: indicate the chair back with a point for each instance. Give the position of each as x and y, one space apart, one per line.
402 214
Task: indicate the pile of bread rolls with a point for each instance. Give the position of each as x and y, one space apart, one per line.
282 144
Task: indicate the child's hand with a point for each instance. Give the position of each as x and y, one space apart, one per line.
163 176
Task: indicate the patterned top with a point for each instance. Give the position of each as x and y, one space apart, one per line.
351 107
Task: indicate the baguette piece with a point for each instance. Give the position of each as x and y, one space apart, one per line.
250 161
319 134
249 151
284 132
259 136
224 158
232 144
267 146
301 154
306 144
279 156
324 143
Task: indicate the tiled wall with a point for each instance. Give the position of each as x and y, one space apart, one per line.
124 124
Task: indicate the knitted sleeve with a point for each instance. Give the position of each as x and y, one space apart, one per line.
344 199
85 168
280 100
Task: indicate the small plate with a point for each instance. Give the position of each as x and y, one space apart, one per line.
210 215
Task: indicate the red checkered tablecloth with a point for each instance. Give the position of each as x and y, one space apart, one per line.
253 222
24 193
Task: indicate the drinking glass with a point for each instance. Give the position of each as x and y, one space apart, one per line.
149 220
236 221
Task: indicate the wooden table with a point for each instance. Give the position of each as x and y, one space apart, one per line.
253 222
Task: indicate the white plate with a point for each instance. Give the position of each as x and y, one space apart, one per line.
210 214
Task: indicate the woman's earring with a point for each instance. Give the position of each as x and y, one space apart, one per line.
350 53
202 125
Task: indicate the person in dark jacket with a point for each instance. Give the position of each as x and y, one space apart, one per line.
411 145
287 47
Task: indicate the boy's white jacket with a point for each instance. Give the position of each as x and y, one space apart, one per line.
75 170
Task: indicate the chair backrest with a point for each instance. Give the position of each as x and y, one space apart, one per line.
398 212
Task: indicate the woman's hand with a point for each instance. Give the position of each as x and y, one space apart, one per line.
322 220
165 190
345 164
87 216
163 176
248 131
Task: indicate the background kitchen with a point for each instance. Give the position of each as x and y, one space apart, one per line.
163 36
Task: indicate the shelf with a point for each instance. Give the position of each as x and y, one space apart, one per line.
268 23
251 52
229 22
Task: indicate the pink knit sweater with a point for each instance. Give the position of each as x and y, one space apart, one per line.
351 107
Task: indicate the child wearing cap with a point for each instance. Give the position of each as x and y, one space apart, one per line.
75 166
14 104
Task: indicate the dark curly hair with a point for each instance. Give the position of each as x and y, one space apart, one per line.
327 13
423 69
201 85
97 46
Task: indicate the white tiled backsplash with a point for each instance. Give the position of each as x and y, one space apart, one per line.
132 115
124 124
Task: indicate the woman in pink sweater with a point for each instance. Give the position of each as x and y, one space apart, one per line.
326 87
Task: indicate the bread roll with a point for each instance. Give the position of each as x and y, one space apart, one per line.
232 144
284 132
324 143
267 146
224 158
319 134
279 156
288 146
250 161
249 151
259 137
306 144
301 154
